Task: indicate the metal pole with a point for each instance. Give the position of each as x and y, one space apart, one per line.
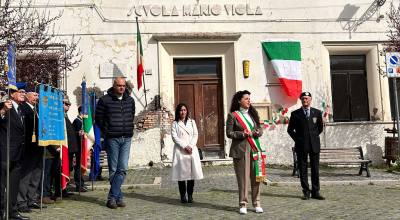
94 110
8 160
397 109
80 170
144 88
44 166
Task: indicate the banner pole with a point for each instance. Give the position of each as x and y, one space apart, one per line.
44 166
94 112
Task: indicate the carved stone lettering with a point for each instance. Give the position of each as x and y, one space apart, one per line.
164 11
249 11
216 9
204 10
146 9
240 9
137 10
258 11
187 10
131 11
196 11
155 10
228 8
174 12
110 70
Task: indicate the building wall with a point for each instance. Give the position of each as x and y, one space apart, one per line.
108 35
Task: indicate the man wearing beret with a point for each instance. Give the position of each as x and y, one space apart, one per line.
11 113
304 128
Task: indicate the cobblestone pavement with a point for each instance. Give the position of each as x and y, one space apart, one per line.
216 197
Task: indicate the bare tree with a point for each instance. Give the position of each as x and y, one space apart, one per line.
40 52
394 29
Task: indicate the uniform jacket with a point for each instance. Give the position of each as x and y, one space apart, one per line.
185 166
31 120
73 143
114 117
235 130
16 135
305 133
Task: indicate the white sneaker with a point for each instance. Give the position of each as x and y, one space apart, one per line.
258 210
243 210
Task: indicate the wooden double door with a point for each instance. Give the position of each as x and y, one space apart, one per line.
201 91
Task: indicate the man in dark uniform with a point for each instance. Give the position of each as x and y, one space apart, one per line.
304 128
11 113
32 163
77 130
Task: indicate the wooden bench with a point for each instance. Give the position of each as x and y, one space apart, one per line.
103 160
338 156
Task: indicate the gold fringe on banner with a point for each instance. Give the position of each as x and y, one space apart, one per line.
261 179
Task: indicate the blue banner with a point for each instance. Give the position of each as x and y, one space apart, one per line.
51 117
85 101
97 141
12 82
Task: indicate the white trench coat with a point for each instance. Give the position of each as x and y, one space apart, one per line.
185 166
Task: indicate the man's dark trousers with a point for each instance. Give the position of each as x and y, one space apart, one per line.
314 164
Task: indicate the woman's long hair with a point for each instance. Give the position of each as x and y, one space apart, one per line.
178 109
235 106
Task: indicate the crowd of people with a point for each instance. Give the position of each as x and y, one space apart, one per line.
114 116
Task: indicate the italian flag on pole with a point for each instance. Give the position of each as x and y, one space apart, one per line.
140 69
88 138
285 56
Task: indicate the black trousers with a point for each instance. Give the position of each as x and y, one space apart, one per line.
182 187
314 164
15 174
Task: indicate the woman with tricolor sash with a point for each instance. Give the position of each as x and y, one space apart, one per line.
186 166
243 127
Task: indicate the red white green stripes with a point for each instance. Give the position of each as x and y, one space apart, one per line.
140 68
285 56
258 153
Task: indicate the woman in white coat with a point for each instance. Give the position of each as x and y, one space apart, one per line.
186 164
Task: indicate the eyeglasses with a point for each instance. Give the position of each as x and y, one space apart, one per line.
67 104
22 92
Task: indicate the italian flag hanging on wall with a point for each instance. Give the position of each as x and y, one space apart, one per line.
285 56
140 69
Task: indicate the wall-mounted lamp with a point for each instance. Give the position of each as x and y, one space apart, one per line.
246 66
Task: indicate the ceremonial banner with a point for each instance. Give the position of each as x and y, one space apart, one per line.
285 56
95 169
12 83
140 69
51 117
88 138
64 161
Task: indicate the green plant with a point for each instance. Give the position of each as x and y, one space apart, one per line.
395 167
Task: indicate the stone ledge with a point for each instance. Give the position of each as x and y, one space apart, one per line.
198 36
336 183
155 185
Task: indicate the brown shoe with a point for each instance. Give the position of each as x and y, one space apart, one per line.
47 200
121 203
55 198
111 204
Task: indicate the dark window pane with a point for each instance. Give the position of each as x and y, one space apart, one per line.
347 62
197 67
359 99
340 97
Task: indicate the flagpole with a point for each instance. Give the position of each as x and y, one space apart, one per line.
8 144
144 88
80 165
94 110
138 52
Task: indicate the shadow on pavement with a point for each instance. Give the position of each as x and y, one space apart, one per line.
172 201
261 194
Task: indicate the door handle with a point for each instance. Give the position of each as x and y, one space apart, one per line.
210 114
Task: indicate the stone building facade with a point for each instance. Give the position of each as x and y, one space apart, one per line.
194 51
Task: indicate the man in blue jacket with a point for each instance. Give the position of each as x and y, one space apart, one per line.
114 116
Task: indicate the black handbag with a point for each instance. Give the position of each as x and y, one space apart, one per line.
200 153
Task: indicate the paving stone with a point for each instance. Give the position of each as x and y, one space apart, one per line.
216 197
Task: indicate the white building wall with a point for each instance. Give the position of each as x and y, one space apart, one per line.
108 35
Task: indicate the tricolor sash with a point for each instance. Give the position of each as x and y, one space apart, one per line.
258 153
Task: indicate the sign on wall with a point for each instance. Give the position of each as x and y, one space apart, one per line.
113 70
393 64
